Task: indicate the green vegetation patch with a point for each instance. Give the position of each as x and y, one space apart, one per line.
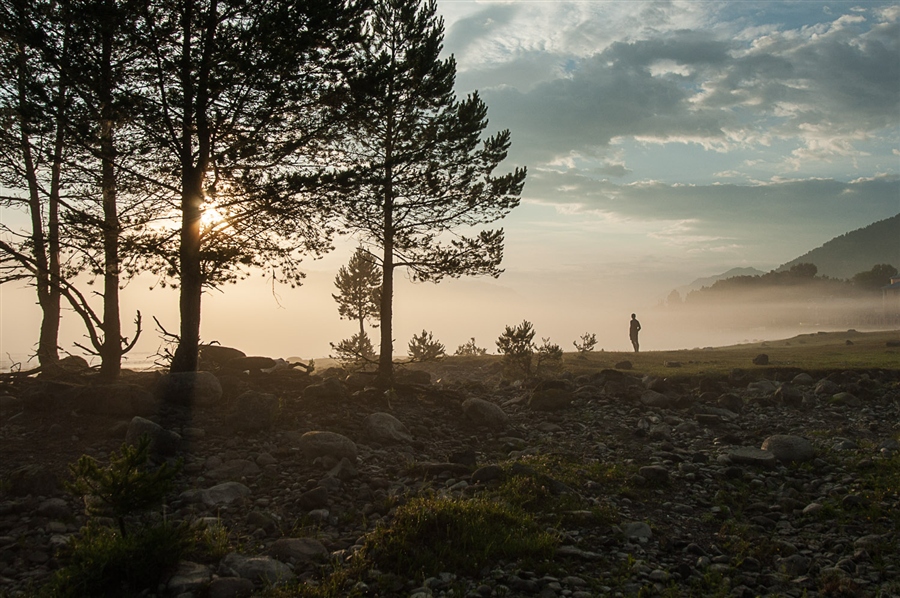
430 535
103 562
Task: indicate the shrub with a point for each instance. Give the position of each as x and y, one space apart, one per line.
587 344
356 351
470 348
434 534
423 347
517 347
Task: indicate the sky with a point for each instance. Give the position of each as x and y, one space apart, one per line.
664 141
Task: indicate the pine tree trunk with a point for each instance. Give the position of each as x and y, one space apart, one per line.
111 349
385 378
185 358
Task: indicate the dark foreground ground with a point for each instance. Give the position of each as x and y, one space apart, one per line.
649 484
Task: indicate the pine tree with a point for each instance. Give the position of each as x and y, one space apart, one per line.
359 289
422 171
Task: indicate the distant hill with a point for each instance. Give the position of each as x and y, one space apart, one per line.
710 280
856 251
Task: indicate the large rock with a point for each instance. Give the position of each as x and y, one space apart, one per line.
123 400
330 389
220 495
386 429
298 550
188 577
162 442
550 399
484 413
193 389
752 456
317 444
217 355
789 448
651 398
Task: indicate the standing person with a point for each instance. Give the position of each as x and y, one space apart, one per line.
633 333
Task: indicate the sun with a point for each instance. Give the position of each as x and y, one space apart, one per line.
211 216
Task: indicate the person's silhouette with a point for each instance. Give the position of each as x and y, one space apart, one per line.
633 333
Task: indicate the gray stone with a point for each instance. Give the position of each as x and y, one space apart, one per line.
651 398
162 442
234 470
224 494
188 577
386 429
316 498
317 444
486 474
258 569
299 550
328 390
752 456
484 413
789 448
846 399
636 529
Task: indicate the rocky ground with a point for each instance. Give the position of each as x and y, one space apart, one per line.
671 491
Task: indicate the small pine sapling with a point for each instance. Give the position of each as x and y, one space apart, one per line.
423 347
517 347
127 486
355 352
549 356
470 348
587 344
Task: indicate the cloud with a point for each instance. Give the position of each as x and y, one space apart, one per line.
829 89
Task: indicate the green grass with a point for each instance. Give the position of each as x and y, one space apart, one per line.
812 352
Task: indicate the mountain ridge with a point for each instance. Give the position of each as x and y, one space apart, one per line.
842 257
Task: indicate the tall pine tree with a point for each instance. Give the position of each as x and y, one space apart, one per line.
422 172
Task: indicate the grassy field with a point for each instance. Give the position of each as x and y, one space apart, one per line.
813 352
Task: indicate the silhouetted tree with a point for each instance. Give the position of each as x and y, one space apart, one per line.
33 112
237 106
359 289
422 171
879 276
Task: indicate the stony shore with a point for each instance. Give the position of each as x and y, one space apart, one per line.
769 482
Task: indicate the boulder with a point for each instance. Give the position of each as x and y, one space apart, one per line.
752 456
193 389
328 390
299 550
188 577
224 494
386 429
317 444
624 365
550 399
252 364
484 413
789 448
651 398
162 442
761 359
217 355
